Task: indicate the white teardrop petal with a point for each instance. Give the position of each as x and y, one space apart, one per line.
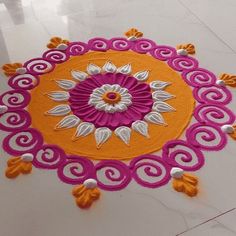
109 67
155 117
59 110
67 122
158 85
123 133
160 95
160 106
93 69
66 84
79 75
126 69
84 129
59 96
141 127
141 75
102 135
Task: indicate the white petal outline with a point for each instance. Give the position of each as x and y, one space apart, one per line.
102 134
126 69
160 106
160 95
142 75
158 85
65 84
58 96
68 122
93 69
155 117
109 67
123 133
59 110
141 127
79 75
84 129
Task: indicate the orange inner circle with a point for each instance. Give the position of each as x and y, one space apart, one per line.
111 99
114 148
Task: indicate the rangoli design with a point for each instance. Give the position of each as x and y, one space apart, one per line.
98 112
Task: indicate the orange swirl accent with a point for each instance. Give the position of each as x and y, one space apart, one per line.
186 184
190 48
10 69
16 166
84 196
55 41
133 32
229 80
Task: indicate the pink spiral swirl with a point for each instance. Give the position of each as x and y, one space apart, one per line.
183 63
163 53
77 48
22 141
206 137
39 66
25 81
75 170
216 95
199 77
98 44
143 45
55 56
112 175
213 114
179 153
120 44
15 120
150 171
15 99
49 157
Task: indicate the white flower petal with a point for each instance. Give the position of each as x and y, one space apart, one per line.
155 117
115 88
102 135
59 96
93 69
126 69
123 133
106 87
66 84
101 105
79 75
109 67
158 85
160 106
120 107
67 122
142 75
59 110
110 108
84 129
160 95
141 127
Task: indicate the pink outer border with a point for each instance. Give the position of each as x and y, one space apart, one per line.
116 175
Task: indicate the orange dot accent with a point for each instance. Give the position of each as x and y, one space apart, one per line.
114 148
106 97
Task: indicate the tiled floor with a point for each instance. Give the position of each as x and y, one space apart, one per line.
29 207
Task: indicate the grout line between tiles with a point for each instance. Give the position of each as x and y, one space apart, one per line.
204 24
213 218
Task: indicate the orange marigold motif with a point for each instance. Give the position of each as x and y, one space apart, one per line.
17 166
186 184
190 48
56 41
86 194
10 69
229 80
133 33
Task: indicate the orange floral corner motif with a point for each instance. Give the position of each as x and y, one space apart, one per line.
56 41
11 69
190 48
228 79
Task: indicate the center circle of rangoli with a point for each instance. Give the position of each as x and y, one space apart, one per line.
111 105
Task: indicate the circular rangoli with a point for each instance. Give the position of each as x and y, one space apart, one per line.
110 111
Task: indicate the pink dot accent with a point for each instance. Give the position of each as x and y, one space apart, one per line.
111 95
